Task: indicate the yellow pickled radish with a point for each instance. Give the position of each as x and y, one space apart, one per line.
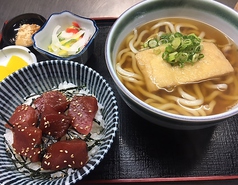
16 63
4 72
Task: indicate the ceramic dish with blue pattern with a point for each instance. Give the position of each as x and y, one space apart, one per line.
66 36
46 76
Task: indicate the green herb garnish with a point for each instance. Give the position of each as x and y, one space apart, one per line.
180 49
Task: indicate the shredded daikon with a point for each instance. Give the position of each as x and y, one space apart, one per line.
68 42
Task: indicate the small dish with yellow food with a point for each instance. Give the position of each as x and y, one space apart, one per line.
13 58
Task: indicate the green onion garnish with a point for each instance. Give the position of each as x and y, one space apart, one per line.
180 49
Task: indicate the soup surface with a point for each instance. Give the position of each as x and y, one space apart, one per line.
198 98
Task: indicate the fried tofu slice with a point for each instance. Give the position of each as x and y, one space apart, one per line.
160 74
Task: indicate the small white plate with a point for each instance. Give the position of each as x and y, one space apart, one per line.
7 52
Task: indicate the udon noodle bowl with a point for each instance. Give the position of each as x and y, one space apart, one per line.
199 98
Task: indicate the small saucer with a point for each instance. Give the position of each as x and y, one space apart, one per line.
7 52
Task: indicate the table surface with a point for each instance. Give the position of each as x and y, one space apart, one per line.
104 11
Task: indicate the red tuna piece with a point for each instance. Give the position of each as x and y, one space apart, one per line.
65 154
55 99
24 115
82 110
26 142
54 124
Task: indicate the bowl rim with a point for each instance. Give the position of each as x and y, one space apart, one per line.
44 52
129 98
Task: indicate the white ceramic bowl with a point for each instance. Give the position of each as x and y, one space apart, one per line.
7 52
18 51
41 77
211 12
43 37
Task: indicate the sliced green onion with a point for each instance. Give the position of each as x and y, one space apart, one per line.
171 57
162 41
176 42
152 43
195 57
180 49
145 45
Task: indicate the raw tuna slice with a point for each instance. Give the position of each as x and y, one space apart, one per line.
55 99
24 115
82 110
65 154
26 142
53 123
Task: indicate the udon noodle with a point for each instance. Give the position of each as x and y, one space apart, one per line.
208 97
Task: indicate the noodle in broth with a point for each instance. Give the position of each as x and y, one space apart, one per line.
208 97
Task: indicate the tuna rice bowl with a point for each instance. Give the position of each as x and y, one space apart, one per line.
58 120
44 136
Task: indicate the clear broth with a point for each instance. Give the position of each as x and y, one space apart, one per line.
223 102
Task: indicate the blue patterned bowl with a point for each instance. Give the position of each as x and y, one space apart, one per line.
210 12
43 76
